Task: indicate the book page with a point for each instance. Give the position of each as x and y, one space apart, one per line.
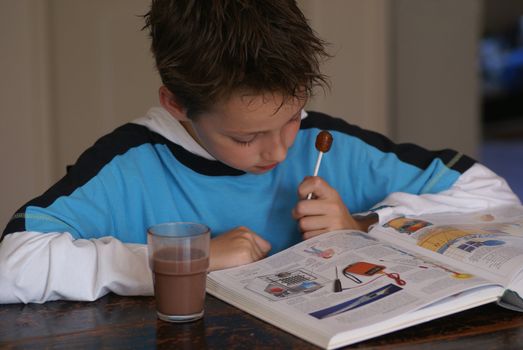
377 281
490 240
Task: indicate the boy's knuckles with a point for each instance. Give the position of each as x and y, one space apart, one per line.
299 208
303 191
247 236
245 255
242 229
303 224
337 209
317 181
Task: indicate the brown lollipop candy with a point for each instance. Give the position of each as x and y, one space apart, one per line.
323 145
324 141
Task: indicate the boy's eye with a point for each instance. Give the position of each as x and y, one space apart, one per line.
244 142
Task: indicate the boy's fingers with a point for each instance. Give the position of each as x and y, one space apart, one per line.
307 208
305 187
255 250
314 223
262 244
258 246
315 185
311 234
298 212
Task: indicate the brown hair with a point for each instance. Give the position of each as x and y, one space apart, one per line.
205 50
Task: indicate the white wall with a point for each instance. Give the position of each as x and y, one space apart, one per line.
435 89
406 68
25 125
71 71
358 33
102 71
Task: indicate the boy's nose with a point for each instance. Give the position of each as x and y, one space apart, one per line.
275 150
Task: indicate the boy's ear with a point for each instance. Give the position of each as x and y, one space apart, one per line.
169 102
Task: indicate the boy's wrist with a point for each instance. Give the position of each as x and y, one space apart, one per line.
364 222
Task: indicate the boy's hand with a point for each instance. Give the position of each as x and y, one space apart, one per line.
237 247
326 212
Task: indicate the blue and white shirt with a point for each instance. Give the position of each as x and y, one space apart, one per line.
152 171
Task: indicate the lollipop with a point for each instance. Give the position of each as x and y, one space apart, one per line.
324 141
323 145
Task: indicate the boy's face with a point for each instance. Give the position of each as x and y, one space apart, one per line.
249 133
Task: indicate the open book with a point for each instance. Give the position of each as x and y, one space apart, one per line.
346 286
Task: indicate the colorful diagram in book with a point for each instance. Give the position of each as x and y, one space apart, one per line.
354 303
287 284
458 242
421 263
407 225
362 269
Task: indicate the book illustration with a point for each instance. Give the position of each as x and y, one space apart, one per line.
418 261
286 284
407 225
362 268
458 242
325 253
357 302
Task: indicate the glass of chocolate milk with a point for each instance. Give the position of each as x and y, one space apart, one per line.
179 259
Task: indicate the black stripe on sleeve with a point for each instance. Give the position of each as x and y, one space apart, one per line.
101 153
87 166
406 152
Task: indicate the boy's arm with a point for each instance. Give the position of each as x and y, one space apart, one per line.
36 267
476 189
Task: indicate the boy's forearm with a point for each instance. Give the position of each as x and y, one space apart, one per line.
477 189
39 267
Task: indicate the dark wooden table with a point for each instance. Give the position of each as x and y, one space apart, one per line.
115 322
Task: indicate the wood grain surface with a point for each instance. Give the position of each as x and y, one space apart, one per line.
116 322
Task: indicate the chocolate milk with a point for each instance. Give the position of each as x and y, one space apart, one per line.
179 286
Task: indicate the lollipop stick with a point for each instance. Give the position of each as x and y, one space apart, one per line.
316 169
318 162
323 145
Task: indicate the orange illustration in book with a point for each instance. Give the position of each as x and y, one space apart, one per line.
362 268
441 238
407 225
448 239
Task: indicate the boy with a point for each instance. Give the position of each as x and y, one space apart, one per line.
230 147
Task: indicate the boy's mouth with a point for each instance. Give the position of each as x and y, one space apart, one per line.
267 167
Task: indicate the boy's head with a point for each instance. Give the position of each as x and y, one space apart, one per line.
206 51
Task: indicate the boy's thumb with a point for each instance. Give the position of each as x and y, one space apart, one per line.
264 245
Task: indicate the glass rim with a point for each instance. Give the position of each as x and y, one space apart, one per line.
202 229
